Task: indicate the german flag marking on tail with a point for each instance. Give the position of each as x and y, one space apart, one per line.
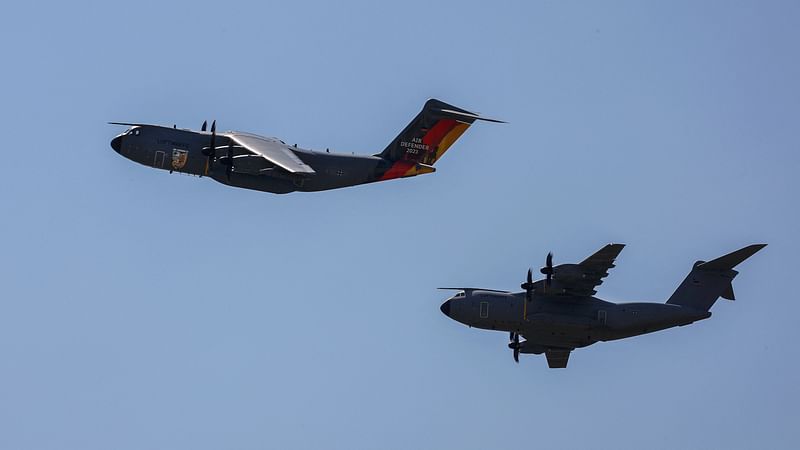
447 140
425 140
428 149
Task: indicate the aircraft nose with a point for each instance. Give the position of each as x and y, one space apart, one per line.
116 143
445 308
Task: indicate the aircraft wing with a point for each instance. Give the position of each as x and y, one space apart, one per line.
273 151
471 289
594 269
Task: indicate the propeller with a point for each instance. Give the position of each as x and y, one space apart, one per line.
528 285
211 151
514 345
548 269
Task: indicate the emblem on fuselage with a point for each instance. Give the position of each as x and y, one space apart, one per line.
179 158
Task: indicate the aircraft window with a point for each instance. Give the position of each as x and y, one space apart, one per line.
459 295
136 132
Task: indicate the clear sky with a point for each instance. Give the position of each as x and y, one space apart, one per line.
143 310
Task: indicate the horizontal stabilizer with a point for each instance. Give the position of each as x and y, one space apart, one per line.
467 115
423 169
732 259
728 293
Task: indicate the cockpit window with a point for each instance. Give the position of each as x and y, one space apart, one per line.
459 295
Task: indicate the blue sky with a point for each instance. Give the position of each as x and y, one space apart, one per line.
148 310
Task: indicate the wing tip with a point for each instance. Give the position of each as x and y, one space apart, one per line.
472 289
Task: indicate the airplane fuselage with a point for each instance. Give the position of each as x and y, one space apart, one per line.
560 313
179 150
270 165
564 322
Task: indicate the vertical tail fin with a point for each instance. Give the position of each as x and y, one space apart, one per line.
710 280
427 138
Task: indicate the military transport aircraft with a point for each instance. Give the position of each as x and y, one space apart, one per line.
560 313
268 164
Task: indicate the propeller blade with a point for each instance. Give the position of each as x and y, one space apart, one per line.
205 124
548 269
212 147
213 137
514 345
211 151
528 285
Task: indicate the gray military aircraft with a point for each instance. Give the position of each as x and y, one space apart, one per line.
560 313
270 165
